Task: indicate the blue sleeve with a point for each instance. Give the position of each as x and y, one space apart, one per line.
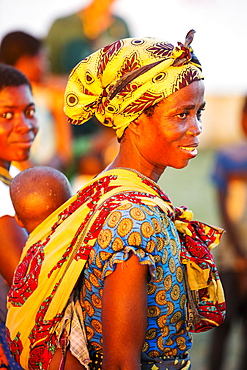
137 229
219 173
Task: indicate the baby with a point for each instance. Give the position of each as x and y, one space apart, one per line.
37 192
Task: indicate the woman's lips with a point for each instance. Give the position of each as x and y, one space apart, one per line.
192 150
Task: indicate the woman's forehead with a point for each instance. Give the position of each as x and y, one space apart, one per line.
192 94
15 95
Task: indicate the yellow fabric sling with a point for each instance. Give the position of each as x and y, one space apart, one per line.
55 255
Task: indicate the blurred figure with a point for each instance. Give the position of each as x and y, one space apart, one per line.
37 192
72 38
230 178
88 166
53 143
101 152
18 127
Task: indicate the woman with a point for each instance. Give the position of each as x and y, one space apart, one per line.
18 128
121 227
88 29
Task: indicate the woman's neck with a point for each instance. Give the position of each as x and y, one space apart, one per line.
129 156
146 169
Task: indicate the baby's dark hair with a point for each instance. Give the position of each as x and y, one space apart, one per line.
16 44
10 76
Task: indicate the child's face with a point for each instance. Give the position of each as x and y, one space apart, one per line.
18 123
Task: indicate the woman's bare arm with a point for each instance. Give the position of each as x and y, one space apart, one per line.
124 315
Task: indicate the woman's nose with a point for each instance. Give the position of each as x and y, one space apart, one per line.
195 127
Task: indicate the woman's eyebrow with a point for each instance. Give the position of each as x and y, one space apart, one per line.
12 106
192 106
189 106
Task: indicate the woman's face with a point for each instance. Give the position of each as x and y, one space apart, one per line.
170 136
18 124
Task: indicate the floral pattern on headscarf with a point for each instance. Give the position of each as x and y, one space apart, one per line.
119 81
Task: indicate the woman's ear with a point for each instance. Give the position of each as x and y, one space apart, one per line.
134 126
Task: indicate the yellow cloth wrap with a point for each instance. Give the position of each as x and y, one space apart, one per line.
215 291
28 322
183 227
197 277
118 82
5 176
218 237
22 319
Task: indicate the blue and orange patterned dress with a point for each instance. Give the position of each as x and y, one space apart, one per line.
151 235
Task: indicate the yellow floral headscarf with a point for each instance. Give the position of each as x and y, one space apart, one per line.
119 81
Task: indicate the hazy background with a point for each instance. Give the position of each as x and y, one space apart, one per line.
221 27
220 45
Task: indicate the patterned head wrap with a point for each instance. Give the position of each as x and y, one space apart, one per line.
117 82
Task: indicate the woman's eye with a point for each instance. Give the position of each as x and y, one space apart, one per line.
182 115
7 115
30 112
199 113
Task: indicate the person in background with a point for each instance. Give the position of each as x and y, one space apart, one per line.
18 128
53 145
112 258
37 192
88 166
72 38
230 179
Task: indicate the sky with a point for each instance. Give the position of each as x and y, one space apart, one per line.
219 42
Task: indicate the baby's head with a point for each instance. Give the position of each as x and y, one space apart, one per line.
36 193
